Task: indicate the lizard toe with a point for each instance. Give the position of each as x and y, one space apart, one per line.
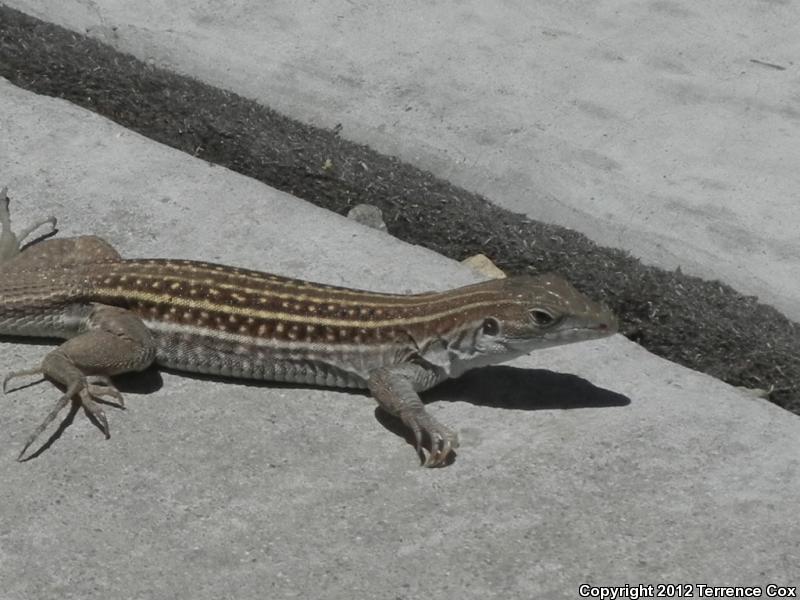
62 402
94 411
100 386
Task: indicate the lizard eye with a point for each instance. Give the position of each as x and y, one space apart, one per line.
541 317
491 326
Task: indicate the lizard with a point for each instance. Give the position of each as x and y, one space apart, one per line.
122 315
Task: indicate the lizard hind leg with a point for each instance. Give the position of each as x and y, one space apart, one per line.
11 243
46 254
116 342
87 391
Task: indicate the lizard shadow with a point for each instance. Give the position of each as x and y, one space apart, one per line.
524 389
493 386
515 389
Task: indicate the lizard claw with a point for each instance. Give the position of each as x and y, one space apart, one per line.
443 441
442 444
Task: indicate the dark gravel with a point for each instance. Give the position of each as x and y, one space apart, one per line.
704 325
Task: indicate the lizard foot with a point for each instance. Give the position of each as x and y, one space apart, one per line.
11 243
87 392
442 439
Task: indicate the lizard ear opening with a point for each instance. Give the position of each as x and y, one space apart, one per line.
491 326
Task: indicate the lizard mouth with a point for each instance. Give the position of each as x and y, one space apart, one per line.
605 328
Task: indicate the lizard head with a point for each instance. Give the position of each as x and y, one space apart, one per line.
534 312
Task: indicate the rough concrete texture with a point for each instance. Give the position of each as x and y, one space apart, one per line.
666 127
596 463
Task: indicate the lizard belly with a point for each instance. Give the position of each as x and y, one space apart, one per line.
232 355
60 321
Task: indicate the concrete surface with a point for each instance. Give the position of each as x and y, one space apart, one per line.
669 128
211 489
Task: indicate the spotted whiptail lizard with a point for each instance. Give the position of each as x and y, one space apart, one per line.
122 315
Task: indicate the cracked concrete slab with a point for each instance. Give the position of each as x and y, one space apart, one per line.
594 464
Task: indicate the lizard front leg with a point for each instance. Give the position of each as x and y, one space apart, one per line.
395 389
116 341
